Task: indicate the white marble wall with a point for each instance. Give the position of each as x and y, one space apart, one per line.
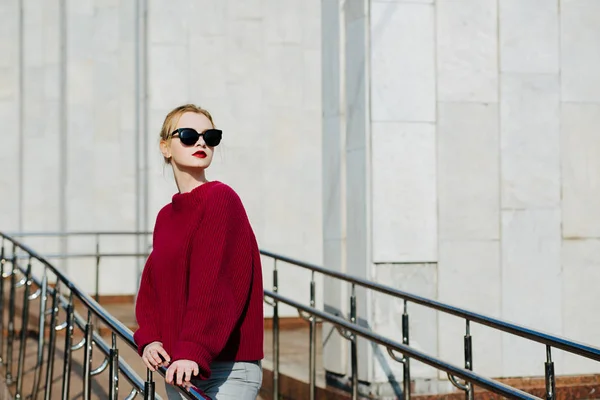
9 94
334 178
482 146
253 64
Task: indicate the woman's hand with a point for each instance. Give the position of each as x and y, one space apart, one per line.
151 356
184 370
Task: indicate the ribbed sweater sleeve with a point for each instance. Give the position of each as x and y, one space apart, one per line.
145 311
220 275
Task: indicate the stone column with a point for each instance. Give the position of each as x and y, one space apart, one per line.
387 165
334 219
469 150
403 189
10 187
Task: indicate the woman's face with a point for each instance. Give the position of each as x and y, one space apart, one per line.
183 156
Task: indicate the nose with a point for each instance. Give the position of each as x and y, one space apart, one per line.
200 142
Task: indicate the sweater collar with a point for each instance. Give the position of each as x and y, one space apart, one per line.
182 201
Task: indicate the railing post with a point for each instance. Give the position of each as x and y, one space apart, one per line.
149 390
406 359
41 336
469 395
87 359
313 343
97 272
52 343
275 335
2 263
549 372
11 318
24 323
97 284
354 345
67 354
113 385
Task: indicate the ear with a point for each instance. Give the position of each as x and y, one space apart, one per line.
165 149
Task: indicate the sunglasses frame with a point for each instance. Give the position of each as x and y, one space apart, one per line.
178 132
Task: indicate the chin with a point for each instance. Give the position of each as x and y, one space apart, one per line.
194 166
202 164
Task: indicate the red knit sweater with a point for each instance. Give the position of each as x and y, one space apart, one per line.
201 292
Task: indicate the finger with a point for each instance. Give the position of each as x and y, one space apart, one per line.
155 357
150 360
164 353
148 355
147 363
196 370
169 375
188 374
180 373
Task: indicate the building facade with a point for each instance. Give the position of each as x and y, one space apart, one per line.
448 148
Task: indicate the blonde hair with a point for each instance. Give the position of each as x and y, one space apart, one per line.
172 119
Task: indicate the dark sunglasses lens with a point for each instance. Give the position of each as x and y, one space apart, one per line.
212 137
188 137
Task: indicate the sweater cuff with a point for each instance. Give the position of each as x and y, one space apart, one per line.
193 352
142 338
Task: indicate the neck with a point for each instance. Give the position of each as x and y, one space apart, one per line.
187 180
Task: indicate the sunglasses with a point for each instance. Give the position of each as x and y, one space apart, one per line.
189 136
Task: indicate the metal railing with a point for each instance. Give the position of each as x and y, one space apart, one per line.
351 330
97 254
62 293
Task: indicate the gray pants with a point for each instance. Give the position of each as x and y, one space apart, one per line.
228 381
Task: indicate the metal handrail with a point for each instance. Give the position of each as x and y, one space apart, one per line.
118 329
133 378
549 340
481 381
505 326
87 255
496 323
311 315
78 233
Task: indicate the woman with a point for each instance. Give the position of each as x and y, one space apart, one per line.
199 305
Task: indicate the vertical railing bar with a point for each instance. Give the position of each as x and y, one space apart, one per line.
41 336
97 283
549 375
353 345
149 389
275 334
113 388
468 343
24 329
87 358
2 263
52 343
97 272
11 318
406 359
313 342
67 351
